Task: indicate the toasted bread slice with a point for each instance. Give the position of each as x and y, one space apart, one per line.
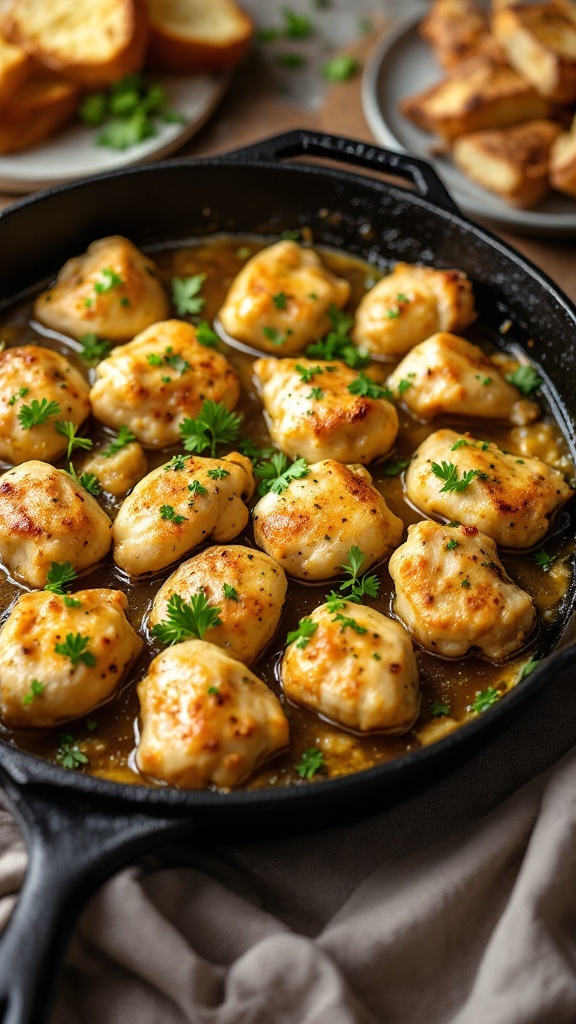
91 43
563 162
539 40
41 106
482 93
196 35
456 30
15 67
511 162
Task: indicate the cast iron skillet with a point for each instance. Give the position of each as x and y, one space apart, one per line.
79 829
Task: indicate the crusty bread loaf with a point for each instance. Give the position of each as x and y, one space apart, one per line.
456 30
481 93
511 162
93 43
15 67
539 40
197 35
563 162
39 108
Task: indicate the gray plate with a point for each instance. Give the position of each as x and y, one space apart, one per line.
402 65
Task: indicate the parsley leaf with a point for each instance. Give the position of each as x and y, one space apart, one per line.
296 25
186 294
36 690
68 430
340 68
279 300
71 602
88 481
335 602
177 462
366 586
94 348
348 623
337 344
527 668
448 472
125 436
306 629
368 388
544 561
37 413
485 699
251 450
75 648
307 373
218 473
68 754
111 280
214 425
290 60
206 336
21 393
316 394
186 619
439 708
197 488
452 544
393 467
169 513
525 378
58 575
277 474
312 761
230 593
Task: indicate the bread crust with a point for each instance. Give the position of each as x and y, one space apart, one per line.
41 106
455 30
15 67
539 40
181 52
563 162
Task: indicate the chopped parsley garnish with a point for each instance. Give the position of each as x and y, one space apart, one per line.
277 474
58 576
37 413
439 708
316 394
485 699
366 586
340 68
88 481
393 467
307 373
485 380
186 619
368 388
230 593
125 436
465 583
94 347
36 690
177 462
213 691
214 425
69 754
543 560
335 602
296 25
311 762
274 336
186 294
197 488
290 60
111 280
348 623
218 473
75 648
168 358
153 359
128 112
68 430
337 344
527 668
250 449
448 472
302 636
452 544
169 512
21 393
403 385
205 335
525 378
462 443
71 602
279 300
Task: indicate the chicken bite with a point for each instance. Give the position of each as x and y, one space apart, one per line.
476 483
453 593
60 657
111 290
356 667
31 374
248 588
279 301
446 374
310 526
409 305
313 413
158 380
46 517
117 471
206 719
181 504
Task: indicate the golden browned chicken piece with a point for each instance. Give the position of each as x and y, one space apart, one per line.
279 301
473 482
60 657
409 305
117 471
46 517
456 30
355 667
206 719
310 526
112 291
325 410
453 593
38 388
446 374
183 503
539 40
156 381
247 586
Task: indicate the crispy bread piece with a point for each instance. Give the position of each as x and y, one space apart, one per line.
482 93
92 43
15 67
456 30
41 106
563 162
511 162
539 40
196 35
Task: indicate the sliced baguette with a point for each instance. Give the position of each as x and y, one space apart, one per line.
511 162
539 40
41 106
481 93
197 35
563 162
92 43
15 67
455 30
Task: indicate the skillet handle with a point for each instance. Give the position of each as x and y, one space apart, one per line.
351 151
72 847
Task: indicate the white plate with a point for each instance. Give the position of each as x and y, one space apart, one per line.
402 65
73 152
